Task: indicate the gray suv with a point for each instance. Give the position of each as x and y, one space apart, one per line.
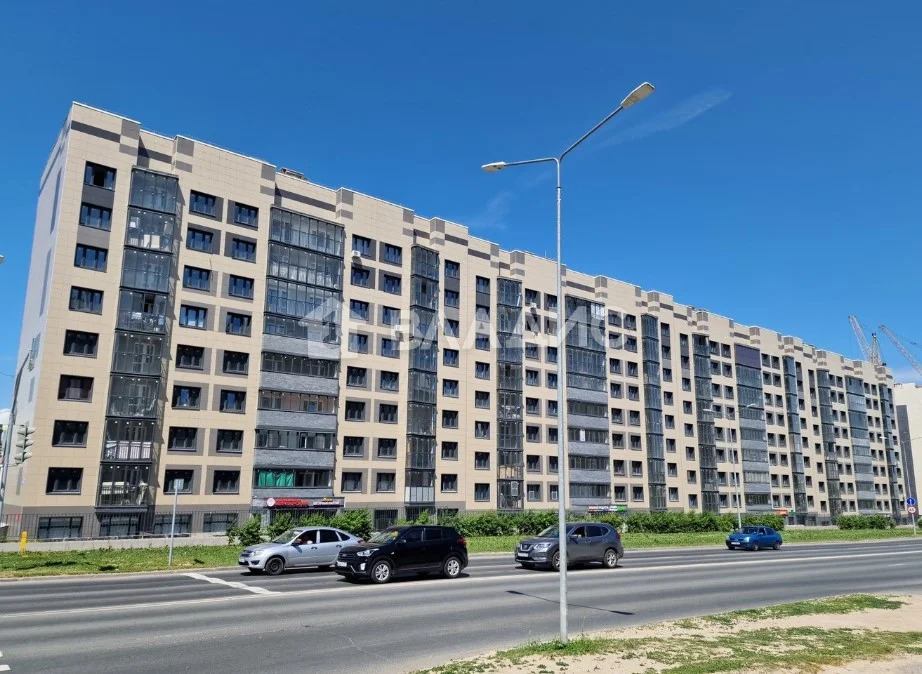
297 548
587 542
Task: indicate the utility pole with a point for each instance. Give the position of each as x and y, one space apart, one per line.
7 447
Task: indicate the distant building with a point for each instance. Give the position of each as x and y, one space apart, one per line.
907 399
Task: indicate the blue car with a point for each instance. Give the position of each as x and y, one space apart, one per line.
754 538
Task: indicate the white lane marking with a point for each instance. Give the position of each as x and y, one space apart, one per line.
4 668
490 580
229 583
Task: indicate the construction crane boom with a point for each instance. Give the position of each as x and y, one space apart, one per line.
902 349
862 340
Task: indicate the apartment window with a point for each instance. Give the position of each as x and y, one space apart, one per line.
550 301
689 431
450 357
198 239
96 217
226 482
452 269
85 300
482 342
552 408
633 393
616 390
669 421
617 440
243 250
552 380
452 328
391 284
531 351
358 343
673 494
482 429
355 410
637 493
637 468
449 419
449 482
236 362
533 434
186 397
450 388
390 316
356 376
481 491
393 254
237 324
533 492
69 434
361 277
361 245
552 434
195 278
531 377
634 417
353 446
482 284
635 442
614 365
78 343
452 298
246 215
482 460
482 399
686 384
190 357
387 448
389 348
178 481
89 257
386 482
64 480
230 441
532 406
352 481
181 438
71 387
240 286
192 317
692 477
233 401
202 203
618 467
98 175
482 370
630 344
358 310
450 451
551 354
387 414
389 381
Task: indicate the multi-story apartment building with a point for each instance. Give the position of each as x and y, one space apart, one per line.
907 401
202 318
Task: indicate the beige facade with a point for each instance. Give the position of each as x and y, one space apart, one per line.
668 405
907 401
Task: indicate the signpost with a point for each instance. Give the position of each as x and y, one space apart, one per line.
177 485
911 509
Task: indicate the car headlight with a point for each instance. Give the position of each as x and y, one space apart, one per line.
256 553
366 553
541 546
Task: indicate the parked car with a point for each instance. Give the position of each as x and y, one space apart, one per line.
297 548
587 542
754 538
405 550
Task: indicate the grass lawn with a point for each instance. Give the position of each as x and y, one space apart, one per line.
204 557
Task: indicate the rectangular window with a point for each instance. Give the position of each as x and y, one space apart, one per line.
195 278
355 410
358 343
352 481
361 245
482 342
178 481
246 215
89 257
387 414
389 348
71 387
531 377
390 381
192 317
243 250
482 460
393 254
482 370
449 482
98 175
533 433
483 284
240 286
186 397
190 357
226 482
450 357
386 482
552 380
551 356
387 448
69 434
390 316
449 419
452 269
482 399
357 376
450 388
64 480
233 401
550 301
361 277
202 203
358 310
78 343
181 438
199 239
552 408
237 324
85 300
96 217
451 328
391 284
481 491
236 362
452 298
353 446
482 429
450 451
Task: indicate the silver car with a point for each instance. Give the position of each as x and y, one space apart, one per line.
297 548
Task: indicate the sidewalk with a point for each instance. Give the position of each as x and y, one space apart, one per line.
116 543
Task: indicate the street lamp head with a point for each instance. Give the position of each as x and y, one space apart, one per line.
494 167
637 95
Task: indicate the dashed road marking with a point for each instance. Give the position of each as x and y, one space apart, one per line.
231 583
4 668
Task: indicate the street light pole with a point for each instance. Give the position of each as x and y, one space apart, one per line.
635 96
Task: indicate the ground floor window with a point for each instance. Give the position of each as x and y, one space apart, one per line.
162 524
59 527
384 519
217 523
119 525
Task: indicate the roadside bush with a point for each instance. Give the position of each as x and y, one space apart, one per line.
865 522
279 525
248 533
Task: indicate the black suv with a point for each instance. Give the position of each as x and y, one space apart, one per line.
402 550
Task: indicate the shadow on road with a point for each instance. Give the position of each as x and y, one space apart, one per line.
556 601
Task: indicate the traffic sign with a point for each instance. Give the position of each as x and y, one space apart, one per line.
910 501
911 510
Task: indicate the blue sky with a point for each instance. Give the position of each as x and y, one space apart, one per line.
773 176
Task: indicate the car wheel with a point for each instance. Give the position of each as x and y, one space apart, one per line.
610 558
452 567
755 547
381 572
555 561
275 566
777 546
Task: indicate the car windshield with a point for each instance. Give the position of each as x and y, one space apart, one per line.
287 536
384 536
749 530
550 532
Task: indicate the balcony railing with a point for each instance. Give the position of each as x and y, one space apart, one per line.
121 494
125 450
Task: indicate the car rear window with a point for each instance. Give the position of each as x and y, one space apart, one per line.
594 531
434 534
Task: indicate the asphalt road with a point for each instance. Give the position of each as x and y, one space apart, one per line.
312 621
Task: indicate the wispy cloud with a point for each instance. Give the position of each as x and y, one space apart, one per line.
494 213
